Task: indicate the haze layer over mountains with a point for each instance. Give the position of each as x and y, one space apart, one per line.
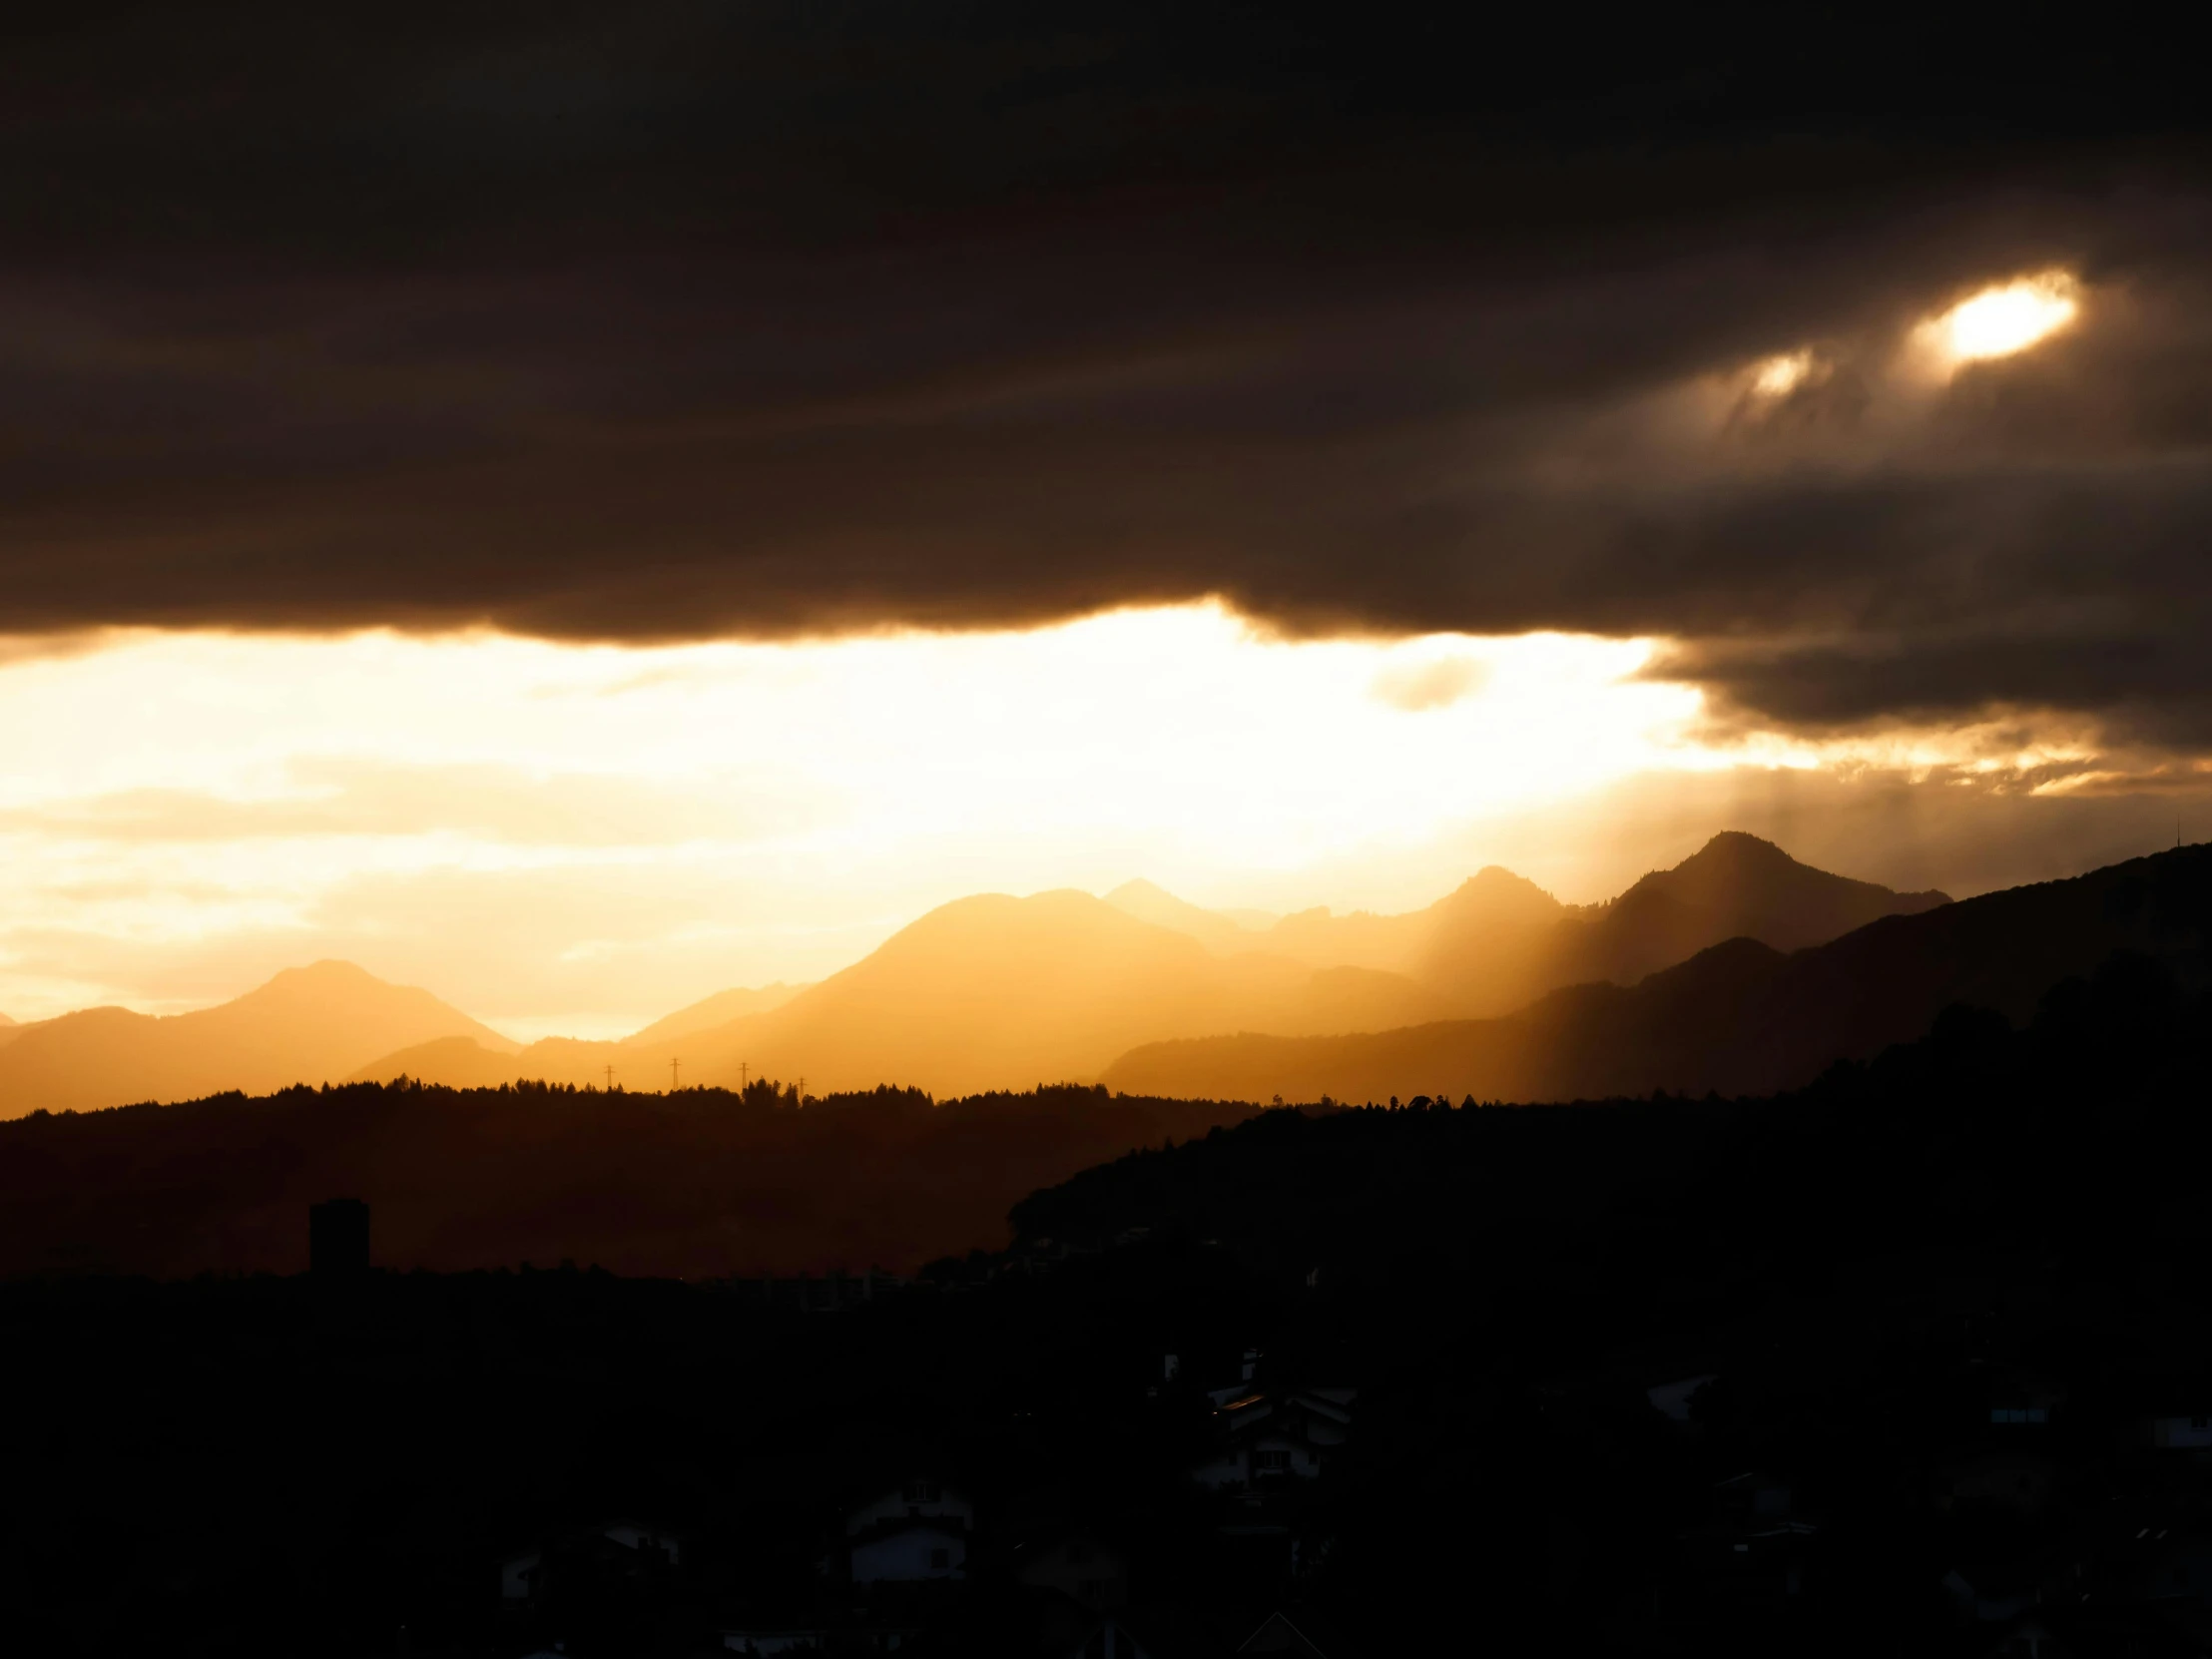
1740 1017
994 991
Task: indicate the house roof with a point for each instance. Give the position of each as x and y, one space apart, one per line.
1296 1631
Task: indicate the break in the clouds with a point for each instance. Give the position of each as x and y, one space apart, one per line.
572 838
673 321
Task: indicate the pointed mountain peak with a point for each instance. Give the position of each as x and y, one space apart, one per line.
1738 884
1502 896
1737 846
332 970
1138 888
341 991
1734 857
320 981
1734 866
1498 878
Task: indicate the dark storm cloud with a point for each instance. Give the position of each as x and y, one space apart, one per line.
666 320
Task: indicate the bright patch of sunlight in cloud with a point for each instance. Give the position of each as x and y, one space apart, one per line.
625 829
2003 319
1781 375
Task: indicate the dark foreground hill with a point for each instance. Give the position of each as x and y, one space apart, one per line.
2093 1116
1741 1017
1905 1364
703 1182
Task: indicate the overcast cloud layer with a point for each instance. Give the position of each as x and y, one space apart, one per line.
670 321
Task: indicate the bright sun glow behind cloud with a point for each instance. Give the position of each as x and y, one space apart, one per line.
2009 317
579 839
625 829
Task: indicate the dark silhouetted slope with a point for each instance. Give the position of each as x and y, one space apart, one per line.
692 1184
1499 941
1740 1017
1735 886
307 1025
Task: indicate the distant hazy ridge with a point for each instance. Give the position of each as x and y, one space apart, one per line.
1002 992
307 1024
995 991
1739 1017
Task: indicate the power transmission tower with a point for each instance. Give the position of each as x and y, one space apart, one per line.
741 1076
610 1079
675 1074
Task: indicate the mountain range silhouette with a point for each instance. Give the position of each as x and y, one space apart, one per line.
307 1024
1498 941
996 991
1740 1017
990 991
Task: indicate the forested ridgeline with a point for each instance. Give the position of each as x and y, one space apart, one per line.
2087 1126
698 1182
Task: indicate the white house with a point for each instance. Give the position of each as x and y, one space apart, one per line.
1268 1438
2180 1433
911 1552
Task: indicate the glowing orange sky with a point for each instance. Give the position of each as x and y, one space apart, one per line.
578 840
